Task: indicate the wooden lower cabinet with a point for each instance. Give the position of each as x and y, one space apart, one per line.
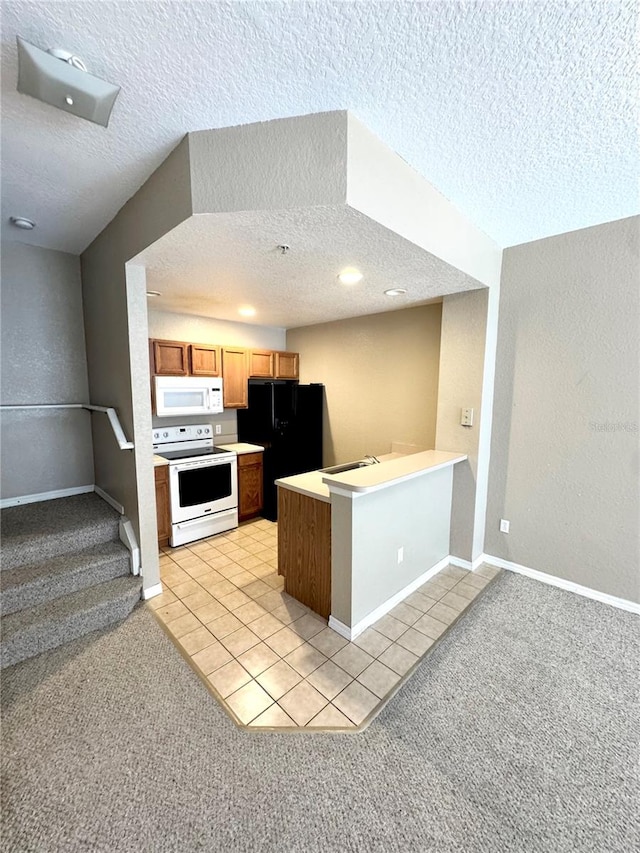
162 504
304 549
250 491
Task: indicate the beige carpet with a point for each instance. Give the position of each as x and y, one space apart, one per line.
519 733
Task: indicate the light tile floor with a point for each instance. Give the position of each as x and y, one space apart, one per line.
269 660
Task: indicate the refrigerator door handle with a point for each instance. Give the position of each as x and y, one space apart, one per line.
273 407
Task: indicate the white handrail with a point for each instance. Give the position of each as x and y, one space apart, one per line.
109 411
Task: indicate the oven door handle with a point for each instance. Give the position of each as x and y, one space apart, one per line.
184 524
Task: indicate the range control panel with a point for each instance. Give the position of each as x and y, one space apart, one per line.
170 435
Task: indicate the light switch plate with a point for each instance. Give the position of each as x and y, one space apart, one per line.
466 417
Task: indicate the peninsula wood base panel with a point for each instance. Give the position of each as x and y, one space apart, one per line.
304 549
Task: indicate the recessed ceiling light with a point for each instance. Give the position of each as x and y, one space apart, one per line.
396 291
350 275
247 311
153 293
22 222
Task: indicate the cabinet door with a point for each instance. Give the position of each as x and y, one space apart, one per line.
205 360
261 363
235 375
287 365
162 504
170 358
250 498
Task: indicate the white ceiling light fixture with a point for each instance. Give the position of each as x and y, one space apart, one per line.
350 275
247 311
396 291
153 293
61 79
22 222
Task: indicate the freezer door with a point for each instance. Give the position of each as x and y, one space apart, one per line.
256 423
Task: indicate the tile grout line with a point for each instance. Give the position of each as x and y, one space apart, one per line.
381 701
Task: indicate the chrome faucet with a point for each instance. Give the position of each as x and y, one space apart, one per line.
373 460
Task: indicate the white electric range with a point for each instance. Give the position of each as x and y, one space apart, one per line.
203 482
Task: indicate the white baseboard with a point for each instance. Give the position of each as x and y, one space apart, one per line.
107 497
152 591
351 632
561 583
467 564
45 496
128 539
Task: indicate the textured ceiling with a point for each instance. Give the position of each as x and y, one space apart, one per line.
521 113
212 264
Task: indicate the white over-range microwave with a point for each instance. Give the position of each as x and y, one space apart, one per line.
188 395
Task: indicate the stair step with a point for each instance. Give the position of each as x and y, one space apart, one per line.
35 584
33 533
30 632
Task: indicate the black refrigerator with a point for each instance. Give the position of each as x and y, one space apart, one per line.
286 419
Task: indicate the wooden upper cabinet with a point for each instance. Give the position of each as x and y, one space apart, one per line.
235 374
261 363
170 358
287 365
205 360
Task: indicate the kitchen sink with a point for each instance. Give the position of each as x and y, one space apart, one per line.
347 466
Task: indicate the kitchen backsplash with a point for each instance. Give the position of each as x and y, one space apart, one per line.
227 420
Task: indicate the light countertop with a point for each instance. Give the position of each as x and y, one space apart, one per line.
159 460
241 447
393 468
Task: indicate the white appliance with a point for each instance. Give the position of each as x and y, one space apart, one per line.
188 395
203 482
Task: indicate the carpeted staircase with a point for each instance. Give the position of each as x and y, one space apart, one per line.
64 574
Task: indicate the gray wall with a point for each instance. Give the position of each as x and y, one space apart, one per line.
462 385
115 312
43 361
564 456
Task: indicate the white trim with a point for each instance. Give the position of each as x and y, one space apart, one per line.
561 583
45 496
152 591
128 539
467 564
351 632
107 497
340 628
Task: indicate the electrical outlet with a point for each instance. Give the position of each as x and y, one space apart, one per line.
466 417
504 525
400 555
218 429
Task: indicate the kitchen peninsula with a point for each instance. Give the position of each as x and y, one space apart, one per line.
354 544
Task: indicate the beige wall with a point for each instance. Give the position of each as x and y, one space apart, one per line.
43 361
381 378
564 456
